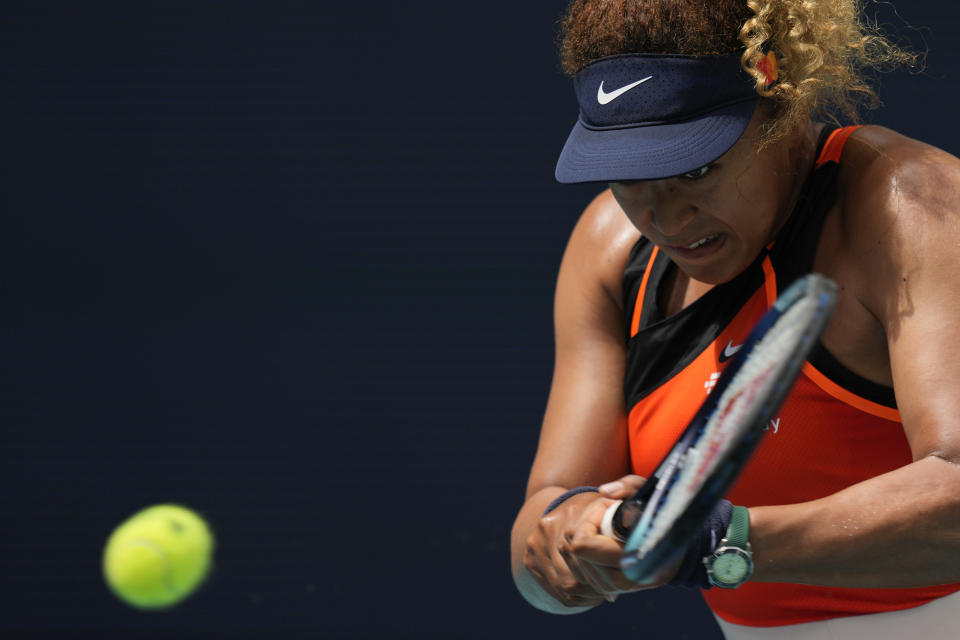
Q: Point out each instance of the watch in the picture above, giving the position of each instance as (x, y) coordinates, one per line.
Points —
(731, 564)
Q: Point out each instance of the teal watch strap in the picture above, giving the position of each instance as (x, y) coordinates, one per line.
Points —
(732, 563)
(738, 533)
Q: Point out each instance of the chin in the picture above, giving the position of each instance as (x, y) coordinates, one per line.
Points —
(710, 279)
(713, 274)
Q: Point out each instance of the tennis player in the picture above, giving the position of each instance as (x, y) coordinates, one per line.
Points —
(711, 125)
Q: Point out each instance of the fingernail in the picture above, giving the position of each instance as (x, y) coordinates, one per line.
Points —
(611, 487)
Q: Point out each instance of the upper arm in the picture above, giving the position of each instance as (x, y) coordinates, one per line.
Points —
(583, 439)
(910, 230)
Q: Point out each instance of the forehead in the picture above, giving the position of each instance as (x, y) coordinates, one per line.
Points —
(748, 144)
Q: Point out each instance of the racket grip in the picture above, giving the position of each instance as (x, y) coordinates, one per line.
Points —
(606, 526)
(619, 518)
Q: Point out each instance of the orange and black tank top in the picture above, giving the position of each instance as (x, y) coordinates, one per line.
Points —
(834, 430)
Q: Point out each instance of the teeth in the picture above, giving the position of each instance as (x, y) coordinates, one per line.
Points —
(701, 242)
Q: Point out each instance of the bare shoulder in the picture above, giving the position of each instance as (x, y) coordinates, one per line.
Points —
(900, 201)
(600, 244)
(893, 182)
(900, 216)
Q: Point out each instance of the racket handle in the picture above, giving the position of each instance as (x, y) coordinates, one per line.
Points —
(606, 526)
(620, 518)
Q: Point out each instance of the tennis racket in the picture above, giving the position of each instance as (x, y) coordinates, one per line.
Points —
(660, 520)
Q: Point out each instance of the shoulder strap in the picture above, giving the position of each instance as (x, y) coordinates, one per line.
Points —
(642, 293)
(833, 148)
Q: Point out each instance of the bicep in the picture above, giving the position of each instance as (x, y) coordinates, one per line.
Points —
(924, 345)
(919, 308)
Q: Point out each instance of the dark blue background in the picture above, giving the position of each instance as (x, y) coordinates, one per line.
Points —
(291, 264)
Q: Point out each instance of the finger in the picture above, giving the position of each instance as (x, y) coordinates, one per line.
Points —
(589, 545)
(565, 548)
(608, 580)
(574, 576)
(570, 562)
(557, 573)
(603, 580)
(583, 574)
(601, 555)
(542, 572)
(617, 581)
(612, 580)
(622, 488)
(600, 520)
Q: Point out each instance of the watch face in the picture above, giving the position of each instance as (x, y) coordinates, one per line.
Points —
(730, 567)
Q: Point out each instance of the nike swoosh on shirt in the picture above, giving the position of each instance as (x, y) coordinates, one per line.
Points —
(729, 351)
(605, 98)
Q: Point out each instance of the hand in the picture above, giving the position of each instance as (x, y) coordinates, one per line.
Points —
(569, 557)
(620, 490)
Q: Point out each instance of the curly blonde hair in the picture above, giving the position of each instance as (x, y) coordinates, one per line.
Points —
(825, 49)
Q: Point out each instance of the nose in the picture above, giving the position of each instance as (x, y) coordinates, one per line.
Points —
(657, 204)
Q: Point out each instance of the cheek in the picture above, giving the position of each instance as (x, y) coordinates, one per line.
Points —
(750, 205)
(631, 207)
(638, 221)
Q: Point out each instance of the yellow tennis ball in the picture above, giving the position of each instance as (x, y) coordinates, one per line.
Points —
(158, 557)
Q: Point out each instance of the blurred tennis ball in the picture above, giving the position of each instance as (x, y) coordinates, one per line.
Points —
(158, 557)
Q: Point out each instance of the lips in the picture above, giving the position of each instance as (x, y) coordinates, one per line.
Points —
(701, 242)
(699, 248)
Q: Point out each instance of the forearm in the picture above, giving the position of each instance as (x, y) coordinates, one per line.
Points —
(901, 529)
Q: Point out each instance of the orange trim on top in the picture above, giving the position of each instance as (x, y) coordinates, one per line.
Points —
(638, 305)
(849, 397)
(769, 281)
(833, 148)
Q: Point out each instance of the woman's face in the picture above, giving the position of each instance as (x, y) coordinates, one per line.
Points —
(713, 222)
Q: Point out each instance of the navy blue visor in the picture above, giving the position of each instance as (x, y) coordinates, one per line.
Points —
(647, 117)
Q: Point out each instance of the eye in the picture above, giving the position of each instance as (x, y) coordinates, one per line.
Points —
(697, 173)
